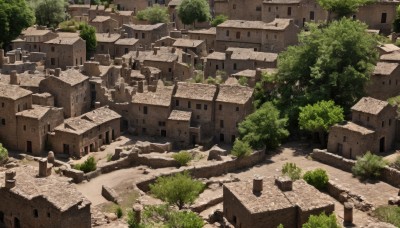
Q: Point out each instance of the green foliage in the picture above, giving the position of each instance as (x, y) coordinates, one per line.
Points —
(88, 33)
(179, 189)
(243, 81)
(50, 12)
(214, 81)
(291, 170)
(241, 149)
(331, 62)
(280, 226)
(109, 157)
(368, 166)
(15, 16)
(396, 22)
(264, 127)
(132, 223)
(317, 178)
(191, 11)
(261, 95)
(198, 77)
(87, 166)
(185, 219)
(3, 154)
(70, 26)
(155, 14)
(343, 8)
(119, 212)
(183, 157)
(218, 20)
(389, 214)
(321, 221)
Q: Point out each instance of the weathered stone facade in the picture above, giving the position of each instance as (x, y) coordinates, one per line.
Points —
(62, 52)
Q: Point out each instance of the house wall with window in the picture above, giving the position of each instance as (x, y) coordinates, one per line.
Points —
(239, 9)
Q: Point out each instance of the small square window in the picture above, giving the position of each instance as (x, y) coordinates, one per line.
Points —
(205, 107)
(237, 109)
(176, 102)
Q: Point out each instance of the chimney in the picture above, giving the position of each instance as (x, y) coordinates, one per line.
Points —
(57, 72)
(228, 54)
(140, 87)
(173, 49)
(109, 34)
(258, 74)
(44, 168)
(97, 104)
(137, 53)
(10, 179)
(394, 37)
(155, 50)
(284, 183)
(14, 78)
(257, 184)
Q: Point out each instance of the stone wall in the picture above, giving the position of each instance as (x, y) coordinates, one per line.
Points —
(391, 176)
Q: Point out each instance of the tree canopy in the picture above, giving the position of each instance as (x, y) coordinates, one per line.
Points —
(50, 12)
(343, 8)
(191, 11)
(155, 14)
(331, 62)
(264, 127)
(88, 33)
(321, 221)
(218, 20)
(15, 16)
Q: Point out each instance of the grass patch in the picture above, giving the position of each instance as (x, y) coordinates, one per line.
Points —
(389, 214)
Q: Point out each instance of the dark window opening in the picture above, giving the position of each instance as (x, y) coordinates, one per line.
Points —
(289, 11)
(145, 110)
(35, 213)
(384, 18)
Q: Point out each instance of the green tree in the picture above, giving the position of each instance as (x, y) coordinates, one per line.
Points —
(88, 33)
(264, 127)
(191, 11)
(321, 221)
(343, 8)
(50, 12)
(155, 14)
(368, 166)
(179, 189)
(318, 118)
(183, 157)
(241, 148)
(87, 166)
(218, 20)
(291, 170)
(331, 62)
(317, 178)
(3, 154)
(15, 16)
(185, 219)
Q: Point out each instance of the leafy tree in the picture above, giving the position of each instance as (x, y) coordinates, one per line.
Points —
(396, 22)
(264, 127)
(343, 8)
(318, 118)
(291, 170)
(332, 62)
(50, 12)
(241, 148)
(321, 221)
(87, 166)
(155, 14)
(263, 90)
(3, 154)
(88, 33)
(368, 166)
(317, 178)
(179, 189)
(183, 157)
(185, 219)
(15, 16)
(191, 11)
(218, 20)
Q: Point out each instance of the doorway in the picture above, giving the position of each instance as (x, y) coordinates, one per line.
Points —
(28, 146)
(339, 149)
(66, 149)
(382, 145)
(16, 223)
(163, 133)
(107, 137)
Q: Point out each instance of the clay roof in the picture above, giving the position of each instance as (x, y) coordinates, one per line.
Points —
(25, 79)
(370, 105)
(32, 31)
(250, 54)
(210, 31)
(162, 97)
(187, 43)
(54, 189)
(174, 3)
(71, 77)
(388, 47)
(245, 73)
(355, 128)
(163, 55)
(99, 19)
(126, 13)
(107, 37)
(86, 6)
(68, 34)
(383, 68)
(36, 112)
(394, 56)
(64, 40)
(180, 115)
(127, 41)
(234, 94)
(195, 91)
(282, 1)
(277, 24)
(144, 27)
(13, 92)
(217, 56)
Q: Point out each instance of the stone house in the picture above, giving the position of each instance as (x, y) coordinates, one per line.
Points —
(13, 99)
(239, 10)
(197, 47)
(65, 51)
(31, 200)
(106, 43)
(232, 105)
(26, 80)
(104, 24)
(123, 17)
(33, 125)
(125, 45)
(372, 128)
(77, 10)
(208, 35)
(384, 82)
(97, 10)
(274, 36)
(165, 41)
(173, 13)
(78, 136)
(178, 128)
(70, 89)
(34, 37)
(146, 34)
(136, 5)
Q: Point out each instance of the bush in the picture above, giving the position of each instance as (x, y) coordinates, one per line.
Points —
(321, 221)
(243, 81)
(390, 214)
(155, 14)
(109, 157)
(164, 216)
(132, 223)
(291, 170)
(368, 166)
(183, 157)
(119, 212)
(87, 166)
(241, 149)
(3, 154)
(396, 163)
(185, 219)
(218, 20)
(317, 178)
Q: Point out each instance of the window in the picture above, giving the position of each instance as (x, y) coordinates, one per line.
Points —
(170, 70)
(237, 109)
(269, 9)
(102, 47)
(35, 213)
(3, 121)
(289, 11)
(136, 35)
(248, 34)
(234, 6)
(198, 106)
(144, 130)
(126, 50)
(234, 66)
(258, 8)
(368, 119)
(143, 35)
(383, 123)
(176, 102)
(220, 107)
(34, 46)
(312, 16)
(383, 17)
(344, 138)
(227, 32)
(53, 49)
(390, 122)
(2, 104)
(161, 124)
(24, 127)
(189, 104)
(145, 110)
(198, 117)
(216, 67)
(221, 124)
(205, 107)
(237, 35)
(53, 61)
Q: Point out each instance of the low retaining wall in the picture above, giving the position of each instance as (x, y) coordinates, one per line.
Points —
(388, 175)
(343, 195)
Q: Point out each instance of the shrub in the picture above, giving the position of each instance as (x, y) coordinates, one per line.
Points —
(291, 170)
(317, 178)
(321, 221)
(243, 81)
(132, 223)
(3, 154)
(396, 163)
(218, 20)
(368, 166)
(119, 212)
(87, 166)
(109, 157)
(390, 214)
(183, 157)
(185, 219)
(241, 149)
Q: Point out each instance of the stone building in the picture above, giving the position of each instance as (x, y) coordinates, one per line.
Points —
(239, 10)
(136, 5)
(77, 10)
(269, 202)
(274, 36)
(232, 105)
(31, 200)
(65, 51)
(208, 35)
(104, 24)
(34, 37)
(27, 80)
(106, 43)
(78, 136)
(125, 45)
(70, 89)
(198, 47)
(146, 34)
(178, 128)
(373, 128)
(385, 81)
